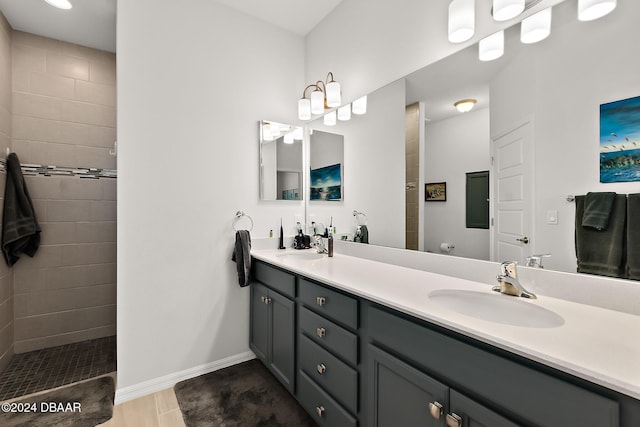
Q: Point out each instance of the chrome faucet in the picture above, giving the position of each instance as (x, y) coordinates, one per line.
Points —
(536, 260)
(508, 282)
(319, 244)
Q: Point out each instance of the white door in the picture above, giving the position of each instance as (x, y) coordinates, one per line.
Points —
(512, 222)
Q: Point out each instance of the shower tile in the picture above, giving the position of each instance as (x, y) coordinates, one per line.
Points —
(68, 66)
(54, 233)
(29, 280)
(103, 72)
(96, 93)
(109, 189)
(51, 85)
(104, 210)
(56, 366)
(67, 210)
(96, 232)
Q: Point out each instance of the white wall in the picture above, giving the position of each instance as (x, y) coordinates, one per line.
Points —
(367, 44)
(194, 78)
(374, 169)
(454, 147)
(583, 65)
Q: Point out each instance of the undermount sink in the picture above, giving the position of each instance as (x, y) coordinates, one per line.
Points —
(308, 256)
(497, 308)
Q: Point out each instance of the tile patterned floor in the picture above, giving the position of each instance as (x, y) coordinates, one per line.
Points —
(56, 366)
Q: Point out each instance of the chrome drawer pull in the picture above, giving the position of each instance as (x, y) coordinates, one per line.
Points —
(267, 300)
(436, 410)
(321, 332)
(321, 301)
(320, 410)
(321, 368)
(454, 420)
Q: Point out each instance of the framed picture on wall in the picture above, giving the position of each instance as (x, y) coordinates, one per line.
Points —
(620, 141)
(326, 183)
(435, 192)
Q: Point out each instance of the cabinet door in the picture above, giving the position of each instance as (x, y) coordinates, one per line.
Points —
(468, 413)
(282, 318)
(400, 394)
(259, 330)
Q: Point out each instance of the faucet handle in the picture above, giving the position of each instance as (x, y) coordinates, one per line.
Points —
(509, 269)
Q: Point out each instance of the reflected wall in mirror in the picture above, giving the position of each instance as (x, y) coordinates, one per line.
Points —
(556, 85)
(280, 161)
(326, 166)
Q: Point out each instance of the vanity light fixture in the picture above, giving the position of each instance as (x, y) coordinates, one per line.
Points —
(461, 20)
(344, 113)
(325, 94)
(359, 106)
(503, 10)
(491, 47)
(288, 138)
(588, 10)
(297, 133)
(330, 118)
(536, 27)
(60, 4)
(465, 105)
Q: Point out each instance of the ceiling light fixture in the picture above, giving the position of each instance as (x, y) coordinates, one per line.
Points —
(491, 47)
(588, 10)
(60, 4)
(461, 20)
(325, 95)
(503, 10)
(465, 105)
(359, 106)
(536, 27)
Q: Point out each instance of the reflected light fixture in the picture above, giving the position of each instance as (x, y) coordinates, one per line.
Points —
(60, 4)
(461, 20)
(588, 10)
(330, 118)
(297, 133)
(344, 113)
(465, 105)
(325, 94)
(536, 27)
(359, 106)
(288, 138)
(503, 10)
(491, 47)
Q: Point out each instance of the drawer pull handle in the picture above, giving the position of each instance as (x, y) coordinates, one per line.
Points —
(436, 410)
(320, 410)
(264, 299)
(321, 301)
(321, 368)
(267, 300)
(321, 332)
(454, 420)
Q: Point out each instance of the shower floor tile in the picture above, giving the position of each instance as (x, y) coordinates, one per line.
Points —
(56, 366)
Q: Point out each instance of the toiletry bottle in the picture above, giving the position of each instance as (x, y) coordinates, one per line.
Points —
(330, 244)
(358, 236)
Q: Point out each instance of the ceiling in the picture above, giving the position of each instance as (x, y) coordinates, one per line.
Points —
(93, 22)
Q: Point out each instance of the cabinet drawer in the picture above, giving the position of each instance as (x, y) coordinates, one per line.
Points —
(326, 333)
(332, 304)
(335, 376)
(279, 280)
(549, 401)
(325, 410)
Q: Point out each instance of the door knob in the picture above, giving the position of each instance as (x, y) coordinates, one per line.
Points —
(321, 368)
(435, 409)
(523, 239)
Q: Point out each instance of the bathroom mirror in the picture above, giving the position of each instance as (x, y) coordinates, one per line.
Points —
(557, 85)
(280, 161)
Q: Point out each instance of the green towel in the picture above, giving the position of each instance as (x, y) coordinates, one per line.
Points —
(597, 210)
(633, 236)
(602, 252)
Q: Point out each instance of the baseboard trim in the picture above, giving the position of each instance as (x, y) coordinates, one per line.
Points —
(148, 387)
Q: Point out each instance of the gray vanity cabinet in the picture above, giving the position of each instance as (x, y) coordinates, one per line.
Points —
(272, 331)
(328, 354)
(402, 395)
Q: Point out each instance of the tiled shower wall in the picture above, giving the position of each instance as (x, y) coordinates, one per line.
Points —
(6, 275)
(64, 114)
(412, 145)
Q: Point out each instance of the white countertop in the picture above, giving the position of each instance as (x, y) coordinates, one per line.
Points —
(596, 344)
